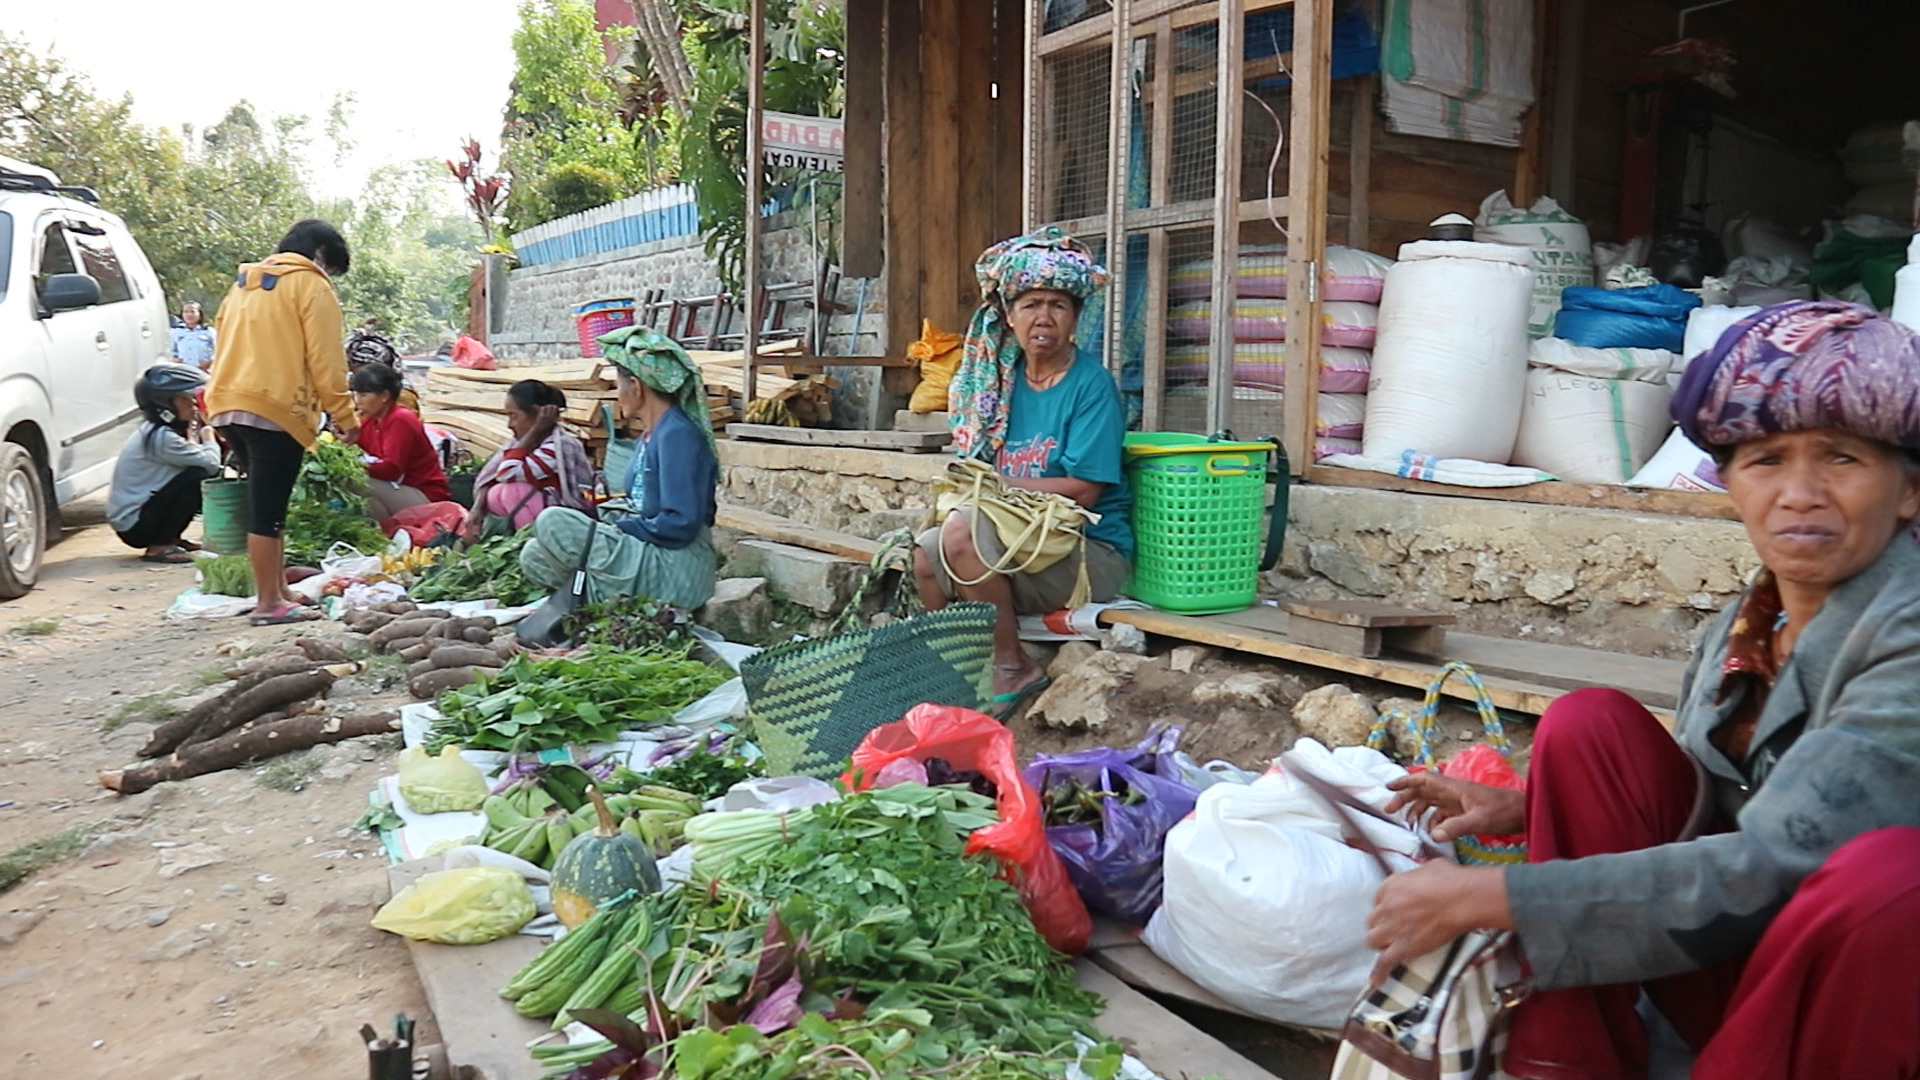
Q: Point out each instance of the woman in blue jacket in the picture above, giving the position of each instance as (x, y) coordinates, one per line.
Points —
(662, 548)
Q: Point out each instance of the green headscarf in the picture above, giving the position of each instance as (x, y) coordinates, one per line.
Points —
(660, 362)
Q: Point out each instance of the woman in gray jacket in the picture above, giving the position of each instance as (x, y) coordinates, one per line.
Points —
(1757, 872)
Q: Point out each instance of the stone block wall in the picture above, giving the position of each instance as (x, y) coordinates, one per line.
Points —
(1606, 579)
(538, 321)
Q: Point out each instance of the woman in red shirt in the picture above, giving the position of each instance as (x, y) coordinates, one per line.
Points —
(404, 468)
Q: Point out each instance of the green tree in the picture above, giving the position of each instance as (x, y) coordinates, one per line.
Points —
(411, 242)
(568, 107)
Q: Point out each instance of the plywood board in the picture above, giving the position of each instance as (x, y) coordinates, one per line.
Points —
(774, 527)
(909, 441)
(1554, 493)
(479, 1028)
(1163, 1041)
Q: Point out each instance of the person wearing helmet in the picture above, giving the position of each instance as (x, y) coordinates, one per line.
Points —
(156, 484)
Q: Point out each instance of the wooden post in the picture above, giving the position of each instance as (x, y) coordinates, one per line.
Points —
(1159, 189)
(1226, 207)
(906, 240)
(1360, 167)
(1037, 101)
(756, 127)
(1119, 150)
(1307, 222)
(860, 202)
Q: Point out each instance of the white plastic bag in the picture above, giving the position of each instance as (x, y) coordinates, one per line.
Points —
(1588, 430)
(346, 561)
(1705, 324)
(1264, 904)
(1680, 465)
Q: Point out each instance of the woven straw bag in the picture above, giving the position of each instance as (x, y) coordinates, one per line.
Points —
(1473, 850)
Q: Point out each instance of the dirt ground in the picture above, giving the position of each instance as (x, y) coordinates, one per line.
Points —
(111, 964)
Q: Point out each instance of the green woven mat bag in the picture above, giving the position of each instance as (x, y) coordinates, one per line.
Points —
(811, 702)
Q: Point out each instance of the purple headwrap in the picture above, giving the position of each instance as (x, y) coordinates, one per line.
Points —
(1804, 365)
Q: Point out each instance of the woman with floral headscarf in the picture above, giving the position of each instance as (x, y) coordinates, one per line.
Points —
(1049, 420)
(662, 547)
(1757, 871)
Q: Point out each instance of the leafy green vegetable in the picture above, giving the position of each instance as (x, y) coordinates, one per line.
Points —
(886, 1044)
(701, 773)
(629, 622)
(488, 568)
(228, 575)
(588, 696)
(329, 506)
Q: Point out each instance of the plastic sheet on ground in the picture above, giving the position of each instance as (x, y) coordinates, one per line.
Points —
(1458, 471)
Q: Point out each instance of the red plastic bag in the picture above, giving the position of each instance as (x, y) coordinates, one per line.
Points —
(970, 741)
(1482, 764)
(469, 353)
(426, 522)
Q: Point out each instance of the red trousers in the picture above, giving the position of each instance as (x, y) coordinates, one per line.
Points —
(1832, 989)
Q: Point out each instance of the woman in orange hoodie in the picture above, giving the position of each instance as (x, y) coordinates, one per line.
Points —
(279, 374)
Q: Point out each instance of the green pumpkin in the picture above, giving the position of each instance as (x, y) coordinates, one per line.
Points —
(597, 866)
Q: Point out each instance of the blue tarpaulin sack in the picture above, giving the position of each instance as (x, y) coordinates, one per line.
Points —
(1649, 317)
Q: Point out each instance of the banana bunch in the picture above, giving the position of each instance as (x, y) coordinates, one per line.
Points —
(526, 823)
(414, 561)
(771, 411)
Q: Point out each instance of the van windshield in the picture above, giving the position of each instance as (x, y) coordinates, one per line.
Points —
(6, 250)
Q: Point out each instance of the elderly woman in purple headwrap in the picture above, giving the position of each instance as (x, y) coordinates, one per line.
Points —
(1757, 872)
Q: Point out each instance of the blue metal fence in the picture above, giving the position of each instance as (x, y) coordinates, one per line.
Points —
(660, 214)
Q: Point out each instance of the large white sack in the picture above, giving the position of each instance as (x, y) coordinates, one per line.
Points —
(1590, 431)
(1450, 355)
(1640, 365)
(1679, 465)
(1263, 902)
(1704, 327)
(1562, 250)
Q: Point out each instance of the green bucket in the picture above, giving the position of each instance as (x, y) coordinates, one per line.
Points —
(223, 515)
(1197, 510)
(460, 486)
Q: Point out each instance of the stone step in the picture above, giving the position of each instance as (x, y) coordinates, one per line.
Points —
(908, 420)
(819, 581)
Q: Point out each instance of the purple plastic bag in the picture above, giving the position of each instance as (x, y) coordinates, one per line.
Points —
(1116, 865)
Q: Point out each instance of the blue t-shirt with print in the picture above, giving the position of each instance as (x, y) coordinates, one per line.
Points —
(1074, 428)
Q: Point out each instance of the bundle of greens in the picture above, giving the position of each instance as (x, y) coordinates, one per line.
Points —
(490, 568)
(329, 506)
(852, 939)
(709, 766)
(228, 575)
(629, 622)
(588, 696)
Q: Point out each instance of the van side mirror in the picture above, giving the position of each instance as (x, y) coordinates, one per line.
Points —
(65, 292)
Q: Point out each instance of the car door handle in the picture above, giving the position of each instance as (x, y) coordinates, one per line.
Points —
(146, 329)
(100, 338)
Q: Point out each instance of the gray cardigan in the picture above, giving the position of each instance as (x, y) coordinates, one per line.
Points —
(1835, 753)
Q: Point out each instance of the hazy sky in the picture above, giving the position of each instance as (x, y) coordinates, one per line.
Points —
(426, 73)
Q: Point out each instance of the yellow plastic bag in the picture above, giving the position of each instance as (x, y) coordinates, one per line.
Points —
(435, 785)
(469, 906)
(939, 355)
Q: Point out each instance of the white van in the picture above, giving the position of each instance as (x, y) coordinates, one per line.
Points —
(81, 316)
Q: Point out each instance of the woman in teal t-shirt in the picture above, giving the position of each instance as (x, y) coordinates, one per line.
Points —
(1050, 421)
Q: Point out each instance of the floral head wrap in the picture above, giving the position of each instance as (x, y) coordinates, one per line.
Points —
(1804, 365)
(982, 387)
(660, 362)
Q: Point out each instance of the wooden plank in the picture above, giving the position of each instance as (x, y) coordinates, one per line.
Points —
(904, 236)
(910, 441)
(972, 46)
(480, 1029)
(862, 232)
(1230, 56)
(1699, 504)
(1350, 640)
(1312, 103)
(1163, 1041)
(842, 461)
(1119, 160)
(774, 527)
(1366, 613)
(1009, 116)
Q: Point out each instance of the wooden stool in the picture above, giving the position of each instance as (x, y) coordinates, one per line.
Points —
(1366, 627)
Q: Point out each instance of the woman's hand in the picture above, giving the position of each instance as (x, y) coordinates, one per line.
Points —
(545, 419)
(1460, 807)
(476, 519)
(1420, 910)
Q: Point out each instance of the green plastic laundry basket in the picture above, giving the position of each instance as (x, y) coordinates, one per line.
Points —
(223, 515)
(1197, 505)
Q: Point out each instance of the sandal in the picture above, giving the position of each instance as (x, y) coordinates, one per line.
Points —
(292, 613)
(174, 555)
(185, 544)
(1004, 706)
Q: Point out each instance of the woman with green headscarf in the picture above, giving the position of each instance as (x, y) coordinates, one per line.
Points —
(1049, 420)
(662, 547)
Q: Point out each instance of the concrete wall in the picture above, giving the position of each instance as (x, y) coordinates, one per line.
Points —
(1607, 579)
